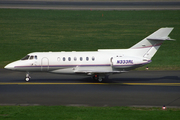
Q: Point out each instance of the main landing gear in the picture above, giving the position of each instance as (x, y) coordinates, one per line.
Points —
(27, 78)
(99, 77)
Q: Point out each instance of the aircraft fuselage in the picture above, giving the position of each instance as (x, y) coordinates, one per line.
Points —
(78, 62)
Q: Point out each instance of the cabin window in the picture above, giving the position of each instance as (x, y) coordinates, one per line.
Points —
(58, 59)
(35, 57)
(25, 58)
(75, 58)
(81, 58)
(64, 59)
(69, 58)
(93, 58)
(87, 58)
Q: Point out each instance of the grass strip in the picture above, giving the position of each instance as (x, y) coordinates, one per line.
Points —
(87, 113)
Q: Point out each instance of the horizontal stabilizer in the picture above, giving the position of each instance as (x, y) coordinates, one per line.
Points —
(167, 38)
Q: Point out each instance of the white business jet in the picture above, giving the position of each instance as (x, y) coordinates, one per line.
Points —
(97, 64)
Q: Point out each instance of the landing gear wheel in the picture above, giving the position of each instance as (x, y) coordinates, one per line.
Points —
(100, 79)
(27, 77)
(97, 78)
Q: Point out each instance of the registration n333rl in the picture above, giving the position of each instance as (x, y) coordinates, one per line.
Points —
(98, 64)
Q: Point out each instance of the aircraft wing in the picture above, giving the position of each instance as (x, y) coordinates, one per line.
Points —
(90, 72)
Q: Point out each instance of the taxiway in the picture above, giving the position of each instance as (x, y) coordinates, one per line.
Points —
(135, 88)
(62, 5)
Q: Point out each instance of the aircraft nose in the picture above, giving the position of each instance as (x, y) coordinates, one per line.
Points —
(9, 66)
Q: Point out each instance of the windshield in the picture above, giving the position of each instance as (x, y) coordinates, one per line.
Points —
(31, 57)
(25, 58)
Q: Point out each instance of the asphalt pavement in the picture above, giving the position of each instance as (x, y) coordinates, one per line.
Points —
(135, 88)
(90, 5)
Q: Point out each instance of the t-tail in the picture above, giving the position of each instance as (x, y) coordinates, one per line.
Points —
(149, 45)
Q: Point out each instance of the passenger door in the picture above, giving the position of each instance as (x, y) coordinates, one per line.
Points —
(44, 64)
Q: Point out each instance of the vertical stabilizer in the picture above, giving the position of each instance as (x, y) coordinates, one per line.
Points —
(149, 45)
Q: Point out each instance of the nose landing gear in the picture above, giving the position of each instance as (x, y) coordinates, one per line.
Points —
(27, 78)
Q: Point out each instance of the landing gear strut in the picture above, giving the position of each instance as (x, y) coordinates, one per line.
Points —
(27, 78)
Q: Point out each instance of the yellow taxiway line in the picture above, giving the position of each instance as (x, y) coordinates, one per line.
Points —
(160, 84)
(48, 83)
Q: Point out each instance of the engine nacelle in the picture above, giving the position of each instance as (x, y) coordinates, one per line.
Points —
(128, 62)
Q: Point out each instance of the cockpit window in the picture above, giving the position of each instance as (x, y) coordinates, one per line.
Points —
(31, 57)
(25, 58)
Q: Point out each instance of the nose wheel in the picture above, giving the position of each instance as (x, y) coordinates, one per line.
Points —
(27, 78)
